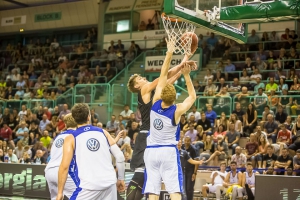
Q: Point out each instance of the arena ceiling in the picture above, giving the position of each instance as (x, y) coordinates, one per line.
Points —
(15, 4)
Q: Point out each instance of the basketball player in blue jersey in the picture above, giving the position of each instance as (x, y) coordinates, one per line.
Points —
(161, 155)
(145, 91)
(90, 148)
(51, 170)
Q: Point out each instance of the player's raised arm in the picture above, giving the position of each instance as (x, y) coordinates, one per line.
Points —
(164, 71)
(68, 151)
(189, 101)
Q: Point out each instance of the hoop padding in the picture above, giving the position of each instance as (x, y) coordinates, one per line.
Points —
(175, 29)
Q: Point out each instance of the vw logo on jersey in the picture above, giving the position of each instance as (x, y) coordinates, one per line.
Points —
(160, 111)
(158, 124)
(59, 143)
(87, 128)
(93, 144)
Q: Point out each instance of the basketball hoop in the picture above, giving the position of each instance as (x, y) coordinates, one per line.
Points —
(180, 33)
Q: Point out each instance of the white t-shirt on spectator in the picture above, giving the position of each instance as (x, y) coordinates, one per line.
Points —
(123, 141)
(62, 58)
(196, 114)
(254, 76)
(126, 114)
(22, 114)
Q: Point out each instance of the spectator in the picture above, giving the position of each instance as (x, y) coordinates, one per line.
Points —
(223, 101)
(195, 113)
(112, 125)
(210, 86)
(133, 131)
(20, 132)
(252, 150)
(271, 128)
(271, 85)
(25, 159)
(191, 133)
(109, 72)
(232, 138)
(126, 113)
(205, 123)
(243, 101)
(253, 41)
(280, 115)
(212, 41)
(283, 163)
(183, 122)
(46, 139)
(223, 121)
(131, 119)
(211, 115)
(260, 100)
(250, 120)
(296, 162)
(39, 159)
(228, 69)
(43, 123)
(12, 158)
(238, 126)
(266, 112)
(208, 149)
(5, 132)
(239, 158)
(239, 112)
(124, 139)
(64, 112)
(235, 86)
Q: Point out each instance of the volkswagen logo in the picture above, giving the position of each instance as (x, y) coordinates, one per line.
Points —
(93, 144)
(87, 128)
(158, 124)
(160, 111)
(59, 143)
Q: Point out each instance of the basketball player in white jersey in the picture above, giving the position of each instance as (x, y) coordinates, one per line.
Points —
(161, 156)
(145, 91)
(216, 185)
(233, 178)
(248, 180)
(51, 170)
(90, 149)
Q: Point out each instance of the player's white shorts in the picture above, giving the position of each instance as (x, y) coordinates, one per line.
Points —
(52, 180)
(83, 194)
(162, 163)
(213, 188)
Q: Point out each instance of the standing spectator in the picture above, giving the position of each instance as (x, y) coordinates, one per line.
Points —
(252, 150)
(195, 113)
(271, 128)
(239, 158)
(43, 123)
(283, 163)
(232, 138)
(253, 41)
(126, 113)
(211, 115)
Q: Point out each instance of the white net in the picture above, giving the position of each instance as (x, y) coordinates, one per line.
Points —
(180, 33)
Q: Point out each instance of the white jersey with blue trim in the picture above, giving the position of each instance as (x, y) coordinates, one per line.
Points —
(163, 128)
(57, 149)
(250, 180)
(93, 169)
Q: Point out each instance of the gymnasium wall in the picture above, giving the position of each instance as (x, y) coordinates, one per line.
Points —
(75, 14)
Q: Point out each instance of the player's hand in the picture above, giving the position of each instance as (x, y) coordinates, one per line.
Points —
(59, 197)
(186, 69)
(193, 177)
(200, 162)
(193, 64)
(170, 44)
(121, 185)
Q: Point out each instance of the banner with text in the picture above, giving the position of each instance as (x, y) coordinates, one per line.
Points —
(10, 21)
(154, 63)
(44, 17)
(148, 4)
(120, 6)
(155, 34)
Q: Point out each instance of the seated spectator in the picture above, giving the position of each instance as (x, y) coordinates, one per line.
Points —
(229, 68)
(39, 158)
(126, 113)
(210, 86)
(109, 72)
(15, 76)
(45, 139)
(54, 44)
(64, 112)
(249, 66)
(271, 85)
(260, 100)
(25, 140)
(192, 133)
(296, 162)
(195, 113)
(232, 138)
(223, 121)
(19, 150)
(20, 132)
(252, 41)
(250, 120)
(25, 159)
(123, 138)
(205, 123)
(183, 122)
(44, 122)
(266, 112)
(283, 163)
(252, 150)
(133, 130)
(280, 116)
(235, 86)
(211, 115)
(239, 158)
(271, 128)
(131, 119)
(244, 79)
(238, 126)
(273, 100)
(5, 132)
(223, 101)
(243, 99)
(260, 65)
(258, 84)
(208, 76)
(239, 112)
(200, 137)
(208, 149)
(221, 151)
(112, 125)
(221, 84)
(150, 25)
(12, 158)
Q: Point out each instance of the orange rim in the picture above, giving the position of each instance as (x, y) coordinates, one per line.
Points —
(163, 15)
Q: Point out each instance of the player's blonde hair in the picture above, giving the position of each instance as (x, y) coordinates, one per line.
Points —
(168, 94)
(69, 121)
(131, 83)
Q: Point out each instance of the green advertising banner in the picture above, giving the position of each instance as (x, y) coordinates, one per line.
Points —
(44, 17)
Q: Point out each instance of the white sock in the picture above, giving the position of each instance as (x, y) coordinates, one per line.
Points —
(204, 198)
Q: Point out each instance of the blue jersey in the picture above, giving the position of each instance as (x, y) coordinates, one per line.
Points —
(93, 169)
(163, 128)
